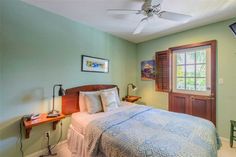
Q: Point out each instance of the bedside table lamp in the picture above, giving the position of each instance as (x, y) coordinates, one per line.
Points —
(132, 86)
(61, 92)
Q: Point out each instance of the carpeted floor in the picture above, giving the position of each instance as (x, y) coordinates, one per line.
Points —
(225, 150)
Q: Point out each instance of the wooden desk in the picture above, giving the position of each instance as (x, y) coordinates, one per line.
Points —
(41, 120)
(131, 98)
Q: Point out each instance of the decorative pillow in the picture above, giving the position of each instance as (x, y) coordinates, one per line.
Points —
(82, 103)
(109, 100)
(116, 94)
(93, 103)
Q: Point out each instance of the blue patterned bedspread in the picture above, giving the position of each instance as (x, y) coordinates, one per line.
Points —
(142, 131)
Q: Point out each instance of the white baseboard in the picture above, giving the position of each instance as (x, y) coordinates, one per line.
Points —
(226, 140)
(44, 151)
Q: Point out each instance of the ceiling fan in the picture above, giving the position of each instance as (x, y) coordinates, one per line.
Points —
(151, 9)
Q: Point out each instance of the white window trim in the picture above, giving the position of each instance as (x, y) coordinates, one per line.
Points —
(208, 72)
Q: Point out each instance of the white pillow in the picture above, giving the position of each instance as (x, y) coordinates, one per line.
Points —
(82, 103)
(93, 103)
(109, 100)
(116, 94)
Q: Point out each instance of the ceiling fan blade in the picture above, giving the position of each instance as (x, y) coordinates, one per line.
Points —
(174, 16)
(123, 11)
(156, 2)
(153, 2)
(141, 26)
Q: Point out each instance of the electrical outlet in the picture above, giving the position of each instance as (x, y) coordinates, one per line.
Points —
(221, 81)
(47, 134)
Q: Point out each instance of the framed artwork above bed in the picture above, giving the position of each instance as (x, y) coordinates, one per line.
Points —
(94, 64)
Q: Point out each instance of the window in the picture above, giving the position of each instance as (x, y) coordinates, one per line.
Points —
(191, 70)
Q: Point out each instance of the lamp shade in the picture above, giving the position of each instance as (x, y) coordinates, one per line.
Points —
(61, 91)
(233, 28)
(134, 87)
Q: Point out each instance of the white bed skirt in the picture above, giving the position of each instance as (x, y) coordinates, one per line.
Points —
(76, 143)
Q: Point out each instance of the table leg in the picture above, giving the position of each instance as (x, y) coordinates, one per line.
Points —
(27, 132)
(231, 135)
(54, 125)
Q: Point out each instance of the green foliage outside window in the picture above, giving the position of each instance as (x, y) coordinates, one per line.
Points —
(191, 70)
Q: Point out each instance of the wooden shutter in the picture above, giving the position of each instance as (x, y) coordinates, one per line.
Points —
(163, 71)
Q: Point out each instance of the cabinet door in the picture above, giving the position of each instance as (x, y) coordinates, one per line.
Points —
(179, 103)
(201, 106)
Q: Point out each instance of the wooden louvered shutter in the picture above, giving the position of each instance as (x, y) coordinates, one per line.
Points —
(163, 71)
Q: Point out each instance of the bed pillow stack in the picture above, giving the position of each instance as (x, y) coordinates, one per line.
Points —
(82, 103)
(98, 101)
(93, 103)
(110, 99)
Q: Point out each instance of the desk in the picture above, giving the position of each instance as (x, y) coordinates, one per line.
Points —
(131, 99)
(41, 120)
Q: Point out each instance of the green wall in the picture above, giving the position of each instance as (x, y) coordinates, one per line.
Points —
(41, 49)
(1, 51)
(226, 61)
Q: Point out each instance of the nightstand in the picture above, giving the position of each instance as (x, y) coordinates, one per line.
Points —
(41, 120)
(131, 99)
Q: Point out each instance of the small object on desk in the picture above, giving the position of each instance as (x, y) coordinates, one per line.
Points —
(51, 115)
(232, 131)
(42, 119)
(131, 98)
(35, 116)
(31, 116)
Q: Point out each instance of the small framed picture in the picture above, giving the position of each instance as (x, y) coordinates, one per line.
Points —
(94, 64)
(148, 70)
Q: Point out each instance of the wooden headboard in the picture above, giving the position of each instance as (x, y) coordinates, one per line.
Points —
(70, 101)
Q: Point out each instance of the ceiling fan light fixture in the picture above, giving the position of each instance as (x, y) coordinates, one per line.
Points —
(151, 9)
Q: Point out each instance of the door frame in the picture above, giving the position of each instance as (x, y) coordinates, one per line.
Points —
(212, 44)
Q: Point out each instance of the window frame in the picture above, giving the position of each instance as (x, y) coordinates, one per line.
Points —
(208, 71)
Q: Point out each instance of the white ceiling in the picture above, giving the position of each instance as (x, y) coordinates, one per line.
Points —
(93, 13)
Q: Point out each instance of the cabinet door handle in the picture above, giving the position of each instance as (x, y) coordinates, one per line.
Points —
(211, 98)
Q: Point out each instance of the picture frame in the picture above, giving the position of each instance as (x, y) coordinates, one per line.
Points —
(148, 70)
(94, 64)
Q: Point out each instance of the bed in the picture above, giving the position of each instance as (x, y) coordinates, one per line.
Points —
(136, 131)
